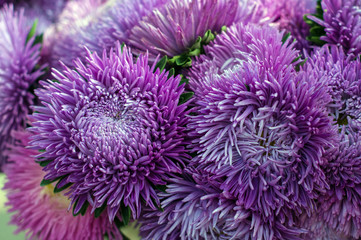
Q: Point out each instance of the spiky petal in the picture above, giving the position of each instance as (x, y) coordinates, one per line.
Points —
(40, 212)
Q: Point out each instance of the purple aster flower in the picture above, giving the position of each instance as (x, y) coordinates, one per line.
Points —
(288, 15)
(340, 206)
(242, 43)
(192, 210)
(175, 27)
(45, 11)
(194, 207)
(342, 24)
(100, 24)
(265, 134)
(40, 211)
(340, 76)
(18, 73)
(113, 130)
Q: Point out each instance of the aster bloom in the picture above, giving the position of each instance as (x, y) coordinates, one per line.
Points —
(340, 205)
(340, 76)
(265, 134)
(342, 24)
(98, 26)
(191, 210)
(18, 72)
(242, 43)
(288, 15)
(41, 212)
(113, 130)
(175, 27)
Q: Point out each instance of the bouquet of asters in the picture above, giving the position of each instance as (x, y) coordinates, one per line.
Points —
(186, 119)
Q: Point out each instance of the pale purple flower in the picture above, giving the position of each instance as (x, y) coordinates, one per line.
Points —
(41, 212)
(342, 23)
(174, 27)
(18, 73)
(113, 129)
(100, 24)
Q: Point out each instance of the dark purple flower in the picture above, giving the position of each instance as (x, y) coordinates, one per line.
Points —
(340, 206)
(18, 72)
(39, 211)
(174, 27)
(265, 134)
(113, 129)
(339, 75)
(100, 24)
(342, 23)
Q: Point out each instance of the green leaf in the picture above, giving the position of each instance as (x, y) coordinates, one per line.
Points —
(285, 37)
(38, 39)
(126, 213)
(57, 189)
(316, 31)
(185, 97)
(161, 64)
(44, 163)
(161, 188)
(32, 30)
(183, 80)
(118, 223)
(99, 210)
(171, 73)
(45, 182)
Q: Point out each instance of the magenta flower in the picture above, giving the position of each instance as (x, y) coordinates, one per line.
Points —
(174, 27)
(98, 26)
(342, 24)
(18, 73)
(113, 129)
(288, 15)
(41, 212)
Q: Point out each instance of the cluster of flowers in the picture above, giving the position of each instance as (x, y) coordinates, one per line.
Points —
(196, 119)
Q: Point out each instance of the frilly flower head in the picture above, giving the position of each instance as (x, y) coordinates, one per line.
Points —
(339, 75)
(18, 59)
(242, 43)
(99, 26)
(41, 212)
(342, 24)
(265, 132)
(174, 27)
(288, 15)
(340, 206)
(112, 129)
(192, 209)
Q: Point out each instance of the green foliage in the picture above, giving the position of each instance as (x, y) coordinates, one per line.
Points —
(316, 30)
